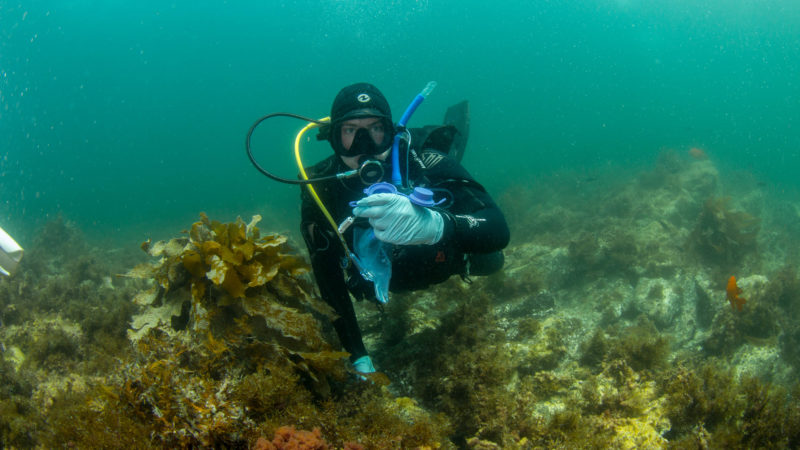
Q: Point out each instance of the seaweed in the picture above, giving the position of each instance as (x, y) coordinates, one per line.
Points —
(783, 293)
(704, 396)
(223, 301)
(744, 414)
(465, 375)
(585, 256)
(641, 346)
(759, 324)
(505, 287)
(726, 335)
(57, 243)
(622, 254)
(614, 408)
(54, 348)
(518, 203)
(374, 418)
(228, 346)
(62, 323)
(19, 418)
(226, 281)
(614, 254)
(722, 236)
(548, 351)
(62, 280)
(88, 420)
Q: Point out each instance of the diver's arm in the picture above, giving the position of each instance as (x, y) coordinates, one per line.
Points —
(473, 222)
(481, 229)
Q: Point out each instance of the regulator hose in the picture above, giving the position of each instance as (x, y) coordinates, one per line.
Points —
(265, 171)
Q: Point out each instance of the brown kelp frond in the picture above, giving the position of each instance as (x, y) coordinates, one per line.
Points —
(228, 284)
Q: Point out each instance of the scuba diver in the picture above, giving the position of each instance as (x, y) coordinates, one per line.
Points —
(392, 209)
(464, 234)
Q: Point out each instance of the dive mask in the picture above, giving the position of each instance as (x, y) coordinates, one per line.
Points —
(364, 144)
(364, 139)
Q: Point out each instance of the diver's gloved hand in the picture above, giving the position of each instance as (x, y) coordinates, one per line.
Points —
(398, 221)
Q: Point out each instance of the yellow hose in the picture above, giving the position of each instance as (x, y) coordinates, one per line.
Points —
(311, 187)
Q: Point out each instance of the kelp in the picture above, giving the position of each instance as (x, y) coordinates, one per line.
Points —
(223, 301)
(228, 344)
(226, 281)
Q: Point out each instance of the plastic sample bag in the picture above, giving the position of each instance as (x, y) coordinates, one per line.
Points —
(373, 261)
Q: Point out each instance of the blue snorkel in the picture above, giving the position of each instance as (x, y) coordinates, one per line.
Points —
(397, 178)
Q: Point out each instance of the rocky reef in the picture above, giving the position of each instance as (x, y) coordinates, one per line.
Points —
(226, 345)
(609, 327)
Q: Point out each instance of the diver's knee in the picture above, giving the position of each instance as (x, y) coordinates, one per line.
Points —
(482, 264)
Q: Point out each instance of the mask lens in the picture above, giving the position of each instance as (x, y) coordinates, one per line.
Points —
(366, 140)
(363, 144)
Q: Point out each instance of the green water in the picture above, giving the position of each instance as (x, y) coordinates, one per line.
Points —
(129, 118)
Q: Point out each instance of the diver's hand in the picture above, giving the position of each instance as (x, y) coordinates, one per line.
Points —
(398, 221)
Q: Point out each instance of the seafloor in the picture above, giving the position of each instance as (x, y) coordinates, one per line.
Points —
(609, 327)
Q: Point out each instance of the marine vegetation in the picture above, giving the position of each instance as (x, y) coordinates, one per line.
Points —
(228, 346)
(614, 253)
(224, 283)
(783, 293)
(708, 406)
(640, 345)
(631, 312)
(611, 326)
(759, 322)
(466, 376)
(723, 236)
(63, 321)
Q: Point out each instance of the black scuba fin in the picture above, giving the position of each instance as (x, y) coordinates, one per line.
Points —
(450, 138)
(458, 116)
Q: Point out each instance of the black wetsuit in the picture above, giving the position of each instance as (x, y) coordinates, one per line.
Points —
(475, 232)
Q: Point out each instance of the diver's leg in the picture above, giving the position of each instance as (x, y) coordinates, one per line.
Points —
(481, 264)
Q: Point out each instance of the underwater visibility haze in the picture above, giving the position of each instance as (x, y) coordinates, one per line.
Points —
(130, 117)
(645, 155)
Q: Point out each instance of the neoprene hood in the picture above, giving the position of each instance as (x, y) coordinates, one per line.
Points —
(356, 101)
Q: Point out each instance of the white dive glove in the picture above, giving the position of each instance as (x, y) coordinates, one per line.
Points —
(398, 221)
(10, 253)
